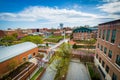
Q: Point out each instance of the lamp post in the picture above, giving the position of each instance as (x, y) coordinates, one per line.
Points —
(64, 34)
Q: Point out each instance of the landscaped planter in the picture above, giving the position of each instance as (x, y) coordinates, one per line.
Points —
(39, 77)
(94, 73)
(16, 71)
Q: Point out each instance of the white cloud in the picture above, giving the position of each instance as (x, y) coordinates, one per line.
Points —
(110, 0)
(113, 9)
(53, 15)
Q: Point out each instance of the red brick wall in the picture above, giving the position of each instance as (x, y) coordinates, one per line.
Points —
(2, 34)
(4, 66)
(110, 46)
(78, 36)
(10, 32)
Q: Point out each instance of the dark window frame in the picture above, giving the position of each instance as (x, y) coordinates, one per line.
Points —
(105, 50)
(114, 76)
(113, 37)
(107, 69)
(118, 60)
(103, 63)
(110, 54)
(108, 35)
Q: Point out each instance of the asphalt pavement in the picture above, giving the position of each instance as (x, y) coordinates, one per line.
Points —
(77, 71)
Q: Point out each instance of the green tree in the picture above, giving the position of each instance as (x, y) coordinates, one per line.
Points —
(15, 35)
(34, 39)
(90, 43)
(65, 54)
(74, 46)
(71, 36)
(7, 40)
(47, 44)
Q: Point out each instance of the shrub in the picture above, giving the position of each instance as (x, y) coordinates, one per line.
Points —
(93, 72)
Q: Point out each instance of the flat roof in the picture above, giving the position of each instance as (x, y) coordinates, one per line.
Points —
(115, 21)
(82, 29)
(14, 50)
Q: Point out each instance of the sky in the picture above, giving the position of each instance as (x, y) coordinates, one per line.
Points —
(50, 13)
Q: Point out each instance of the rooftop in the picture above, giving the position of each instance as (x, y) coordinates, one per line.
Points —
(82, 29)
(115, 21)
(14, 50)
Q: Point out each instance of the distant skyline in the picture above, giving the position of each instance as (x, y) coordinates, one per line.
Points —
(49, 13)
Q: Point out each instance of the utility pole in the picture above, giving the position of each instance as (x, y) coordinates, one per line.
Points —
(64, 34)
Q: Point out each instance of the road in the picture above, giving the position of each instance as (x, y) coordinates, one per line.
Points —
(77, 71)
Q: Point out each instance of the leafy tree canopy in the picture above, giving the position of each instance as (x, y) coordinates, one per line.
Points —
(34, 39)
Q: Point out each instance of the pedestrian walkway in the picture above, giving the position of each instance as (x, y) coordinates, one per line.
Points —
(50, 71)
(77, 71)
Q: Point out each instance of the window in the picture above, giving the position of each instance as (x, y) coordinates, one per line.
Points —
(96, 55)
(108, 34)
(118, 60)
(114, 76)
(110, 54)
(104, 32)
(107, 69)
(105, 50)
(98, 45)
(99, 59)
(29, 56)
(24, 59)
(113, 36)
(103, 63)
(99, 33)
(101, 48)
(33, 54)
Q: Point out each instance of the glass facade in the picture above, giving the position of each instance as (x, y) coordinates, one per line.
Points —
(108, 35)
(110, 54)
(118, 60)
(113, 36)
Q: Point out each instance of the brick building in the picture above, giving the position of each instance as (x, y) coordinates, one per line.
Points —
(19, 32)
(107, 57)
(2, 33)
(82, 33)
(16, 55)
(10, 32)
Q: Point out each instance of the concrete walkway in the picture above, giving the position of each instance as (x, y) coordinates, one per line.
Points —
(58, 44)
(77, 71)
(50, 71)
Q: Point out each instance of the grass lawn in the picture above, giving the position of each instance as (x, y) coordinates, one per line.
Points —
(37, 74)
(54, 39)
